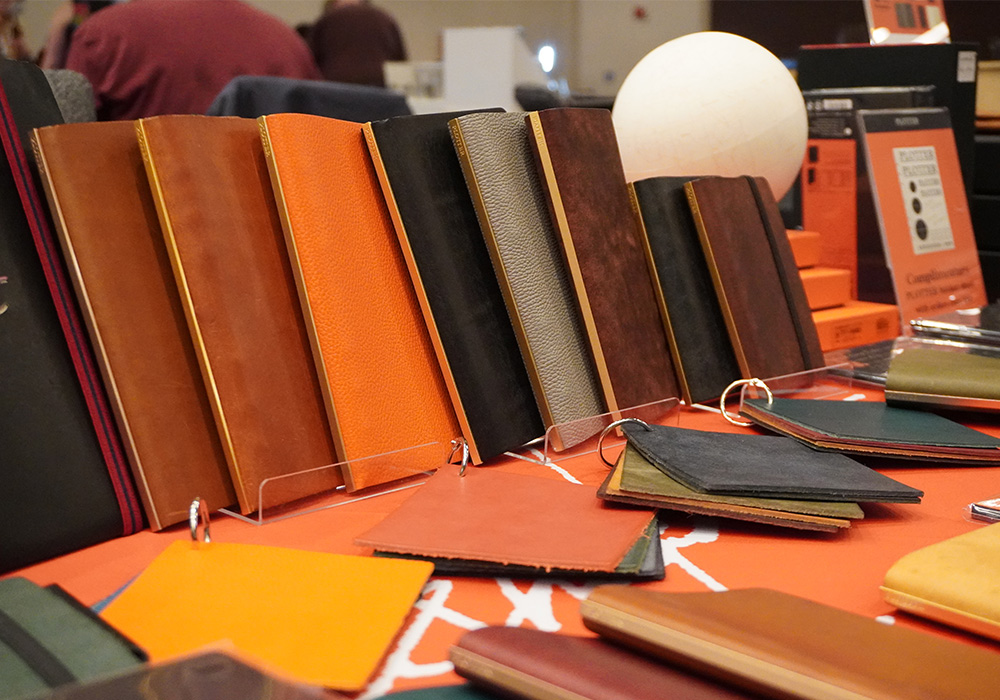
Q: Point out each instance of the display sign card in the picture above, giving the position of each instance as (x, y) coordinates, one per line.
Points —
(906, 21)
(922, 210)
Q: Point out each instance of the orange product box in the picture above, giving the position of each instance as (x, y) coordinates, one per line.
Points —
(805, 247)
(856, 323)
(826, 286)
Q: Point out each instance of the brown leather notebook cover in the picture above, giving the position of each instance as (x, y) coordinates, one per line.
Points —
(121, 273)
(580, 167)
(509, 518)
(382, 384)
(529, 663)
(756, 280)
(217, 213)
(784, 646)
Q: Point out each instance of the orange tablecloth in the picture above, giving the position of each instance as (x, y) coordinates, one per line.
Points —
(843, 570)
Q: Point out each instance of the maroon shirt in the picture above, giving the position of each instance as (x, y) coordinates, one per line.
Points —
(149, 57)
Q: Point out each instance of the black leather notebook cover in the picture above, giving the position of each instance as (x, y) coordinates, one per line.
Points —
(763, 466)
(458, 292)
(66, 483)
(872, 428)
(703, 355)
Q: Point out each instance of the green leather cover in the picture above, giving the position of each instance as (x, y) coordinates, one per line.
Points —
(762, 466)
(48, 639)
(871, 427)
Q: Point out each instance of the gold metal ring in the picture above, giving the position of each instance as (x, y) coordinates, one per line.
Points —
(604, 434)
(742, 383)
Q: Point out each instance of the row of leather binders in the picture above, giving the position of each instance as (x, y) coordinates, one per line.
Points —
(207, 304)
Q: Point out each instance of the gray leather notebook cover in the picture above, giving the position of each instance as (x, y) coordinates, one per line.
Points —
(510, 203)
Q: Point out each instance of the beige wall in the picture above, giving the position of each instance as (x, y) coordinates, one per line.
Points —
(598, 40)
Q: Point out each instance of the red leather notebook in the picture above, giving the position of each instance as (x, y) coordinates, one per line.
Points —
(120, 270)
(381, 381)
(580, 167)
(529, 663)
(213, 196)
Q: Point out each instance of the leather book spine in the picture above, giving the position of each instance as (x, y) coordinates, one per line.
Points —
(498, 167)
(580, 168)
(455, 283)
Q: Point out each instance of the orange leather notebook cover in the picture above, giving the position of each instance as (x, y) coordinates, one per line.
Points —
(826, 287)
(382, 384)
(106, 220)
(321, 618)
(805, 247)
(216, 208)
(856, 323)
(783, 646)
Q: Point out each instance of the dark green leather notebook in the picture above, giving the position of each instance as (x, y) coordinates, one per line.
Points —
(696, 330)
(763, 466)
(874, 429)
(49, 639)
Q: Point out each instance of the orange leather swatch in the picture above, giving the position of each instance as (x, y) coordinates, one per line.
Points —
(512, 519)
(321, 618)
(382, 383)
(106, 220)
(213, 196)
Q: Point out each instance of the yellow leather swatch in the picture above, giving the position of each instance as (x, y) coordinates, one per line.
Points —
(322, 618)
(382, 384)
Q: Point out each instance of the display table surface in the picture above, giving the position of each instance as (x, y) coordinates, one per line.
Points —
(843, 570)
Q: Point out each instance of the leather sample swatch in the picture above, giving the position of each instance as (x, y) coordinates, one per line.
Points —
(509, 518)
(696, 330)
(872, 428)
(784, 646)
(756, 280)
(451, 272)
(943, 379)
(953, 581)
(213, 196)
(381, 382)
(119, 267)
(643, 562)
(500, 172)
(49, 639)
(217, 675)
(577, 157)
(762, 466)
(529, 663)
(325, 619)
(66, 480)
(636, 481)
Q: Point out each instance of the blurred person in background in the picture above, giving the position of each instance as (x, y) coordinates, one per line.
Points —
(352, 39)
(151, 57)
(12, 44)
(64, 22)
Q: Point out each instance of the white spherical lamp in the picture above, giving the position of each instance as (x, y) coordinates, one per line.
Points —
(711, 103)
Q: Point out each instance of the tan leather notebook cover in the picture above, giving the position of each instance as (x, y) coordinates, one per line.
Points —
(784, 646)
(382, 383)
(954, 581)
(580, 168)
(216, 208)
(106, 221)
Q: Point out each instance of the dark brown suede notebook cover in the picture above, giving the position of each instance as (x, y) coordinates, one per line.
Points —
(217, 212)
(580, 167)
(119, 267)
(529, 663)
(756, 280)
(784, 646)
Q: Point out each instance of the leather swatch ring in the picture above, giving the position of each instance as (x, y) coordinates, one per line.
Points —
(604, 434)
(198, 512)
(742, 382)
(456, 445)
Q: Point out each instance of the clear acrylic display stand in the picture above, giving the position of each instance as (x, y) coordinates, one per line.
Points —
(273, 492)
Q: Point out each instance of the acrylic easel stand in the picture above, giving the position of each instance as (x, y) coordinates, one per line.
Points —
(273, 493)
(582, 436)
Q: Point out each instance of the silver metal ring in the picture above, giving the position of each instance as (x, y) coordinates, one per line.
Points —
(604, 434)
(198, 511)
(742, 382)
(456, 445)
